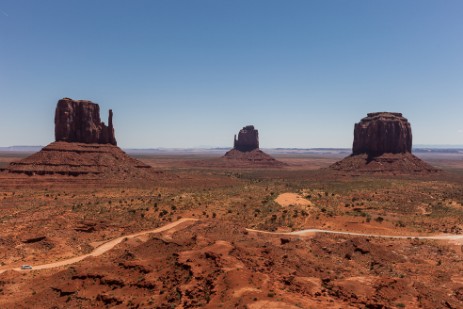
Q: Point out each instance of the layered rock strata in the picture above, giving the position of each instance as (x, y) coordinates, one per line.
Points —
(74, 159)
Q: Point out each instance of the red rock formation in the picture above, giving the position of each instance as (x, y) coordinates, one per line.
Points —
(79, 121)
(383, 144)
(380, 133)
(248, 139)
(84, 146)
(246, 152)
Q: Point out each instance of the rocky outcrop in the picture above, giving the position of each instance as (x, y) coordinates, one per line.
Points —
(248, 139)
(79, 121)
(383, 144)
(84, 146)
(380, 133)
(246, 152)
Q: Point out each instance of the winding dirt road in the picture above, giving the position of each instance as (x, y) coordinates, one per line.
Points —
(105, 247)
(307, 232)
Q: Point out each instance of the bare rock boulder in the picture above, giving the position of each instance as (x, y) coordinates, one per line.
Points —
(381, 133)
(248, 139)
(78, 121)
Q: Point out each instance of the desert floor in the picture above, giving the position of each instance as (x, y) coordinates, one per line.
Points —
(196, 236)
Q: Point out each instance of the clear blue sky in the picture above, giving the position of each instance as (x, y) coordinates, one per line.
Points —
(192, 73)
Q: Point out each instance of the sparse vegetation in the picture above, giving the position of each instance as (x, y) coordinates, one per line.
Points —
(82, 214)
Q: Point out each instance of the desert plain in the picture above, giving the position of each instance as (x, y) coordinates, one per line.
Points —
(200, 235)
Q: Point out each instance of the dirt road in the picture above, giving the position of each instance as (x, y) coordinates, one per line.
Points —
(307, 232)
(105, 247)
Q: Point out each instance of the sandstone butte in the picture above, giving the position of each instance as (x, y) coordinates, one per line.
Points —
(248, 139)
(380, 133)
(383, 143)
(246, 151)
(83, 146)
(78, 121)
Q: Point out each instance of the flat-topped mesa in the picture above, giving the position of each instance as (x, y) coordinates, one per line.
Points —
(383, 144)
(78, 121)
(248, 139)
(381, 133)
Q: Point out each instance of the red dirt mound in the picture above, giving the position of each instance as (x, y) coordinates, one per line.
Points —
(402, 163)
(239, 159)
(254, 157)
(75, 159)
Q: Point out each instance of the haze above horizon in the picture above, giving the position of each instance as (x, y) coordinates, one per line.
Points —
(181, 74)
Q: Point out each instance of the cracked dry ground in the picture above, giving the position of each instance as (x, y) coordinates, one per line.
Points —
(217, 264)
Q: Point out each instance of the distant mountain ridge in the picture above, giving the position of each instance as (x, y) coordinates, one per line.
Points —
(214, 150)
(21, 148)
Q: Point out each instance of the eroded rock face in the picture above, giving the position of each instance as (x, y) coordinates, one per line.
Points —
(79, 121)
(248, 139)
(382, 132)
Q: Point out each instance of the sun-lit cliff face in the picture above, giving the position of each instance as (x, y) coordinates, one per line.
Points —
(382, 132)
(79, 121)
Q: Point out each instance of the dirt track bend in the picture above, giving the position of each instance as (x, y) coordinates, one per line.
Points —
(105, 247)
(112, 243)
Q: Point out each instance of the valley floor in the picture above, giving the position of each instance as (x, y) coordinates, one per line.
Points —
(218, 260)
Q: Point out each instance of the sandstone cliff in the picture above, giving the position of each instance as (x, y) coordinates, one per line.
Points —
(248, 139)
(383, 132)
(78, 121)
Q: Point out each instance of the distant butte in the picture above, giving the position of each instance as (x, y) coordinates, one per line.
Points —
(383, 143)
(246, 151)
(84, 146)
(248, 139)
